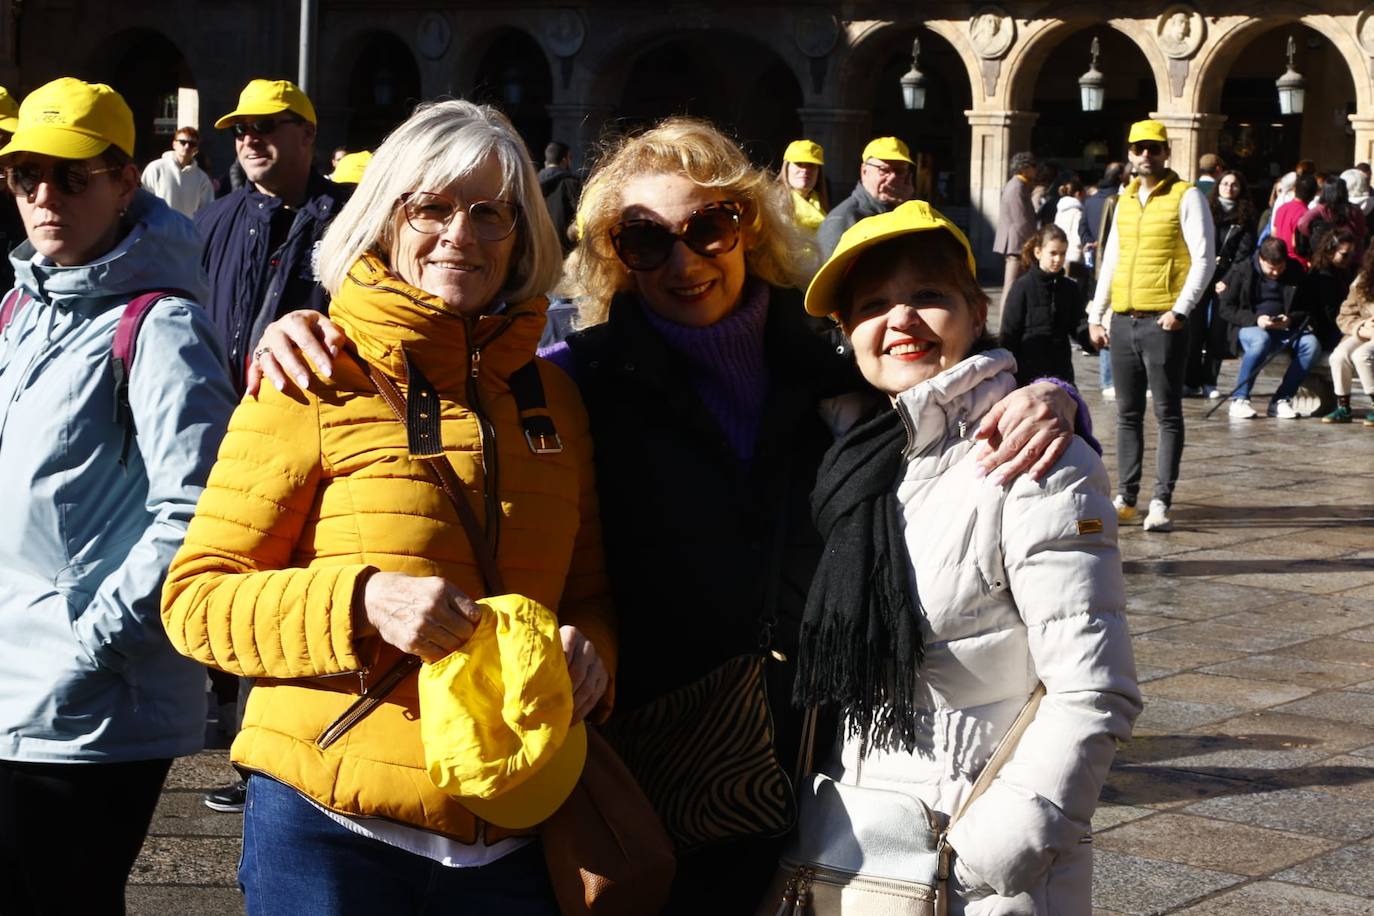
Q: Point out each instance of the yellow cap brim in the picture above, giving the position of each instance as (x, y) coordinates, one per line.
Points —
(10, 124)
(822, 294)
(253, 111)
(536, 798)
(62, 142)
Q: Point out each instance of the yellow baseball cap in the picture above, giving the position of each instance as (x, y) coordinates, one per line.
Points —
(912, 216)
(72, 119)
(9, 111)
(350, 168)
(268, 97)
(1144, 131)
(888, 149)
(808, 151)
(496, 717)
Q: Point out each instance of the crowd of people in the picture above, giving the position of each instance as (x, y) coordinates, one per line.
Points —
(444, 461)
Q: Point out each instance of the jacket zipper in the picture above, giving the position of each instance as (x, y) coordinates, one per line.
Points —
(485, 429)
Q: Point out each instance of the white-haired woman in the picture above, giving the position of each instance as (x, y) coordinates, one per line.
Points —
(322, 546)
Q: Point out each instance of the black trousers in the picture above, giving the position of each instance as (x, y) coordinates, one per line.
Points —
(1145, 356)
(69, 834)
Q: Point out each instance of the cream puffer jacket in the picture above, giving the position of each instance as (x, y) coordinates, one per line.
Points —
(1019, 584)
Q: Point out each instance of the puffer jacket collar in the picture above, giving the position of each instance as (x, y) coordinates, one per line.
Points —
(949, 406)
(385, 318)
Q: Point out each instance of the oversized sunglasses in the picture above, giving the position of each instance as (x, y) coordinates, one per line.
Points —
(643, 244)
(68, 177)
(262, 127)
(1149, 147)
(430, 213)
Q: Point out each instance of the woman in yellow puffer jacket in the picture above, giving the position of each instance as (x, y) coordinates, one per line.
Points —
(322, 551)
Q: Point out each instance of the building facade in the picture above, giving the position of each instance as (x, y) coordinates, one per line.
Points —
(1001, 77)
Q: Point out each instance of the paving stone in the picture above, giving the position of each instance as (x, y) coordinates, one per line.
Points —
(1333, 649)
(204, 861)
(1177, 715)
(156, 900)
(1147, 593)
(1212, 844)
(1300, 671)
(206, 770)
(1224, 691)
(1143, 887)
(1161, 650)
(1346, 776)
(1271, 897)
(1345, 870)
(1319, 615)
(1240, 639)
(1290, 731)
(1338, 705)
(1294, 810)
(1165, 788)
(183, 813)
(1108, 816)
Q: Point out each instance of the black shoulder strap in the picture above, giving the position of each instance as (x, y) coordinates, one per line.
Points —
(528, 390)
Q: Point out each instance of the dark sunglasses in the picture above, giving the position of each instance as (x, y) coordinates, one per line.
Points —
(68, 177)
(643, 244)
(1148, 146)
(263, 126)
(185, 142)
(430, 213)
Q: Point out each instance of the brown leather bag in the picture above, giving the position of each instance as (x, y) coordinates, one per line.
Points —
(606, 850)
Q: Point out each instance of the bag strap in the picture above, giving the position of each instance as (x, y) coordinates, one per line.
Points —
(122, 356)
(1005, 748)
(527, 388)
(448, 481)
(14, 300)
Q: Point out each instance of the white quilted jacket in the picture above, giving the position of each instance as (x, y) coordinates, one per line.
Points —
(1018, 584)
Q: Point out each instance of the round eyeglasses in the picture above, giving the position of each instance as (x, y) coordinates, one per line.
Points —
(430, 213)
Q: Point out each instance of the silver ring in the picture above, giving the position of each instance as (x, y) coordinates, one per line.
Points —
(257, 354)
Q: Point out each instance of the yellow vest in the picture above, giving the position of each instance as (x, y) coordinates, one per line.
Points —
(1153, 257)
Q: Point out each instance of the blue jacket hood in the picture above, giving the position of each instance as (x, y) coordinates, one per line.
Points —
(160, 251)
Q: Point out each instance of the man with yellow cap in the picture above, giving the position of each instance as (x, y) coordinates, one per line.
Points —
(885, 181)
(261, 240)
(1155, 269)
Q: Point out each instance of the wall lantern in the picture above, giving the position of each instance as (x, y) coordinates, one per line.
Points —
(914, 82)
(1292, 87)
(1092, 85)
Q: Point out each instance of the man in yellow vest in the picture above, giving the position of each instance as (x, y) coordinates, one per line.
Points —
(1155, 269)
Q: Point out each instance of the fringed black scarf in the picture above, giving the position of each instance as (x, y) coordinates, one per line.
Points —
(861, 637)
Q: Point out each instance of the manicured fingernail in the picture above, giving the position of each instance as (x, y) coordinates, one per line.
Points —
(326, 372)
(281, 386)
(979, 471)
(333, 350)
(304, 380)
(997, 480)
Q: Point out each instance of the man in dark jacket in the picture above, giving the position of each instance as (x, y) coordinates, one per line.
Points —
(1264, 301)
(262, 241)
(561, 188)
(885, 180)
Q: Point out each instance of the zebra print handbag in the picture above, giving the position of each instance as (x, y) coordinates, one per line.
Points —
(704, 755)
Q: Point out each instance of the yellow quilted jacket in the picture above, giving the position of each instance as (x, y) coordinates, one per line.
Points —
(313, 491)
(1154, 260)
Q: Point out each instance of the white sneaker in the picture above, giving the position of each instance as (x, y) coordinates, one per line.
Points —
(1211, 392)
(1158, 517)
(1241, 410)
(1283, 409)
(1109, 393)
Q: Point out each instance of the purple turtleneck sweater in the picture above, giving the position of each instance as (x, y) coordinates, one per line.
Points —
(726, 366)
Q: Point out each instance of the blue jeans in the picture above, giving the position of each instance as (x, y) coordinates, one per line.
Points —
(1258, 344)
(1104, 368)
(298, 862)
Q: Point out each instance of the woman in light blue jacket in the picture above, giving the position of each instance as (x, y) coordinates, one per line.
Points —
(98, 479)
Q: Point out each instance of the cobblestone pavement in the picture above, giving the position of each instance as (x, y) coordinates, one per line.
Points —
(1249, 785)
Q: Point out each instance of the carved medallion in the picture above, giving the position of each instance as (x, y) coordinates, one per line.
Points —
(432, 35)
(1179, 31)
(564, 32)
(816, 33)
(991, 32)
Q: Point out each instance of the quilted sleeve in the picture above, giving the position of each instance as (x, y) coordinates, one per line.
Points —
(1064, 571)
(232, 599)
(586, 600)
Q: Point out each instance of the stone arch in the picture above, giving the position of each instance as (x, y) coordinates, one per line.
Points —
(882, 37)
(1021, 68)
(1216, 59)
(378, 89)
(155, 78)
(509, 68)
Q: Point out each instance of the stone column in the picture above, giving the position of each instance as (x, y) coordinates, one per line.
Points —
(577, 125)
(996, 137)
(1364, 137)
(842, 133)
(1190, 135)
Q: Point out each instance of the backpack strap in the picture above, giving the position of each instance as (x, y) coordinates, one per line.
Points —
(122, 356)
(528, 389)
(14, 300)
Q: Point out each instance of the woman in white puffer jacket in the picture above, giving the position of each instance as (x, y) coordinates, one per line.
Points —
(934, 615)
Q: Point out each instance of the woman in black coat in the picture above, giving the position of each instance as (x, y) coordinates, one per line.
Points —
(1233, 214)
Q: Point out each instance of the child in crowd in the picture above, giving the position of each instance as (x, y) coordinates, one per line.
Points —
(1043, 310)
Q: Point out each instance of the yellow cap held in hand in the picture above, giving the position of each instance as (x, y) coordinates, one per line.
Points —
(495, 717)
(268, 97)
(72, 119)
(9, 111)
(804, 151)
(913, 216)
(888, 149)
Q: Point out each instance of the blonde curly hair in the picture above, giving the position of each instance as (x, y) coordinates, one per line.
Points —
(775, 250)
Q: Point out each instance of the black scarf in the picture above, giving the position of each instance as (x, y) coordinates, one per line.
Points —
(861, 637)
